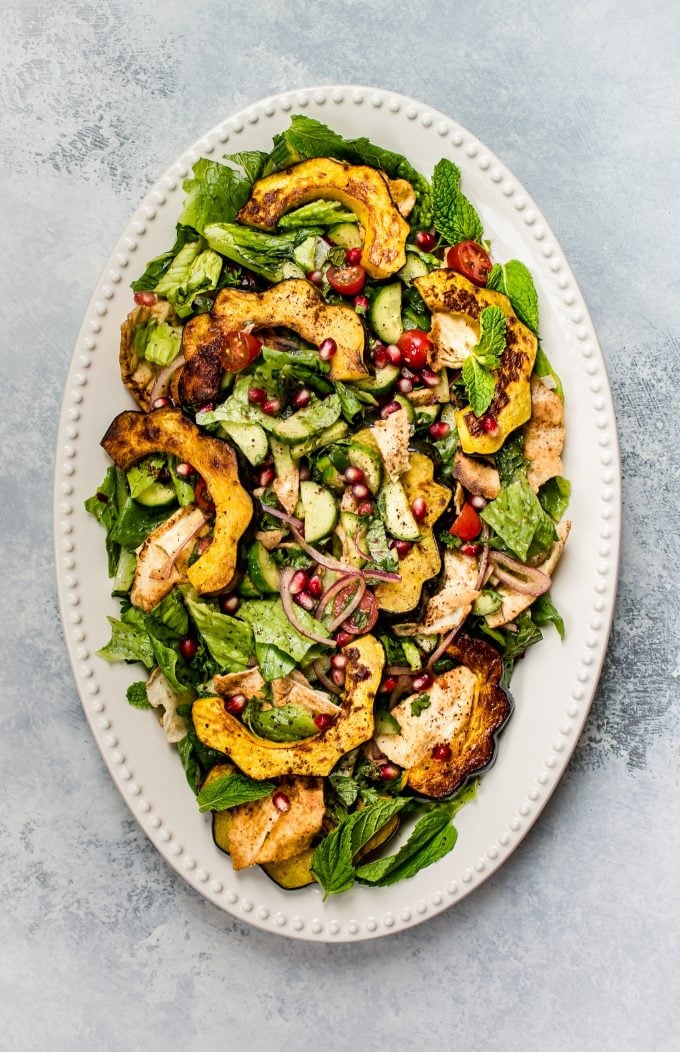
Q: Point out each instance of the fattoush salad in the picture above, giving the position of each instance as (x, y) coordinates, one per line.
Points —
(333, 519)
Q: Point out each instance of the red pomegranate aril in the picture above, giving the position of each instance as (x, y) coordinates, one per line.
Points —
(160, 403)
(439, 430)
(298, 582)
(266, 477)
(379, 355)
(184, 470)
(423, 682)
(402, 548)
(419, 509)
(360, 302)
(393, 353)
(387, 410)
(387, 772)
(188, 648)
(478, 502)
(360, 490)
(302, 398)
(145, 299)
(315, 587)
(235, 704)
(429, 378)
(339, 661)
(207, 407)
(342, 638)
(352, 257)
(315, 276)
(353, 474)
(471, 549)
(306, 601)
(229, 604)
(338, 676)
(489, 425)
(365, 508)
(442, 753)
(324, 720)
(425, 240)
(305, 472)
(404, 386)
(327, 349)
(281, 801)
(272, 407)
(388, 684)
(257, 395)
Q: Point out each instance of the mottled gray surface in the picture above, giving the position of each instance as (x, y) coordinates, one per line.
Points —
(573, 944)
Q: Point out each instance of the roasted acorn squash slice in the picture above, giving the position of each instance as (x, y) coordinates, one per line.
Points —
(447, 292)
(134, 435)
(362, 189)
(295, 304)
(294, 872)
(259, 758)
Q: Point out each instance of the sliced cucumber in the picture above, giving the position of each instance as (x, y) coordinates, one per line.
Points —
(449, 415)
(291, 270)
(329, 474)
(381, 382)
(408, 406)
(251, 439)
(156, 495)
(347, 235)
(426, 414)
(396, 512)
(286, 468)
(247, 589)
(411, 653)
(428, 395)
(320, 511)
(125, 572)
(263, 571)
(487, 603)
(414, 267)
(329, 435)
(350, 524)
(369, 461)
(308, 422)
(385, 313)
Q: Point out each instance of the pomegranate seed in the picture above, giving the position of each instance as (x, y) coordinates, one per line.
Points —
(380, 355)
(338, 676)
(360, 302)
(360, 491)
(236, 704)
(478, 502)
(315, 587)
(419, 509)
(102, 498)
(343, 638)
(315, 276)
(266, 477)
(298, 582)
(423, 681)
(387, 772)
(145, 299)
(306, 601)
(160, 403)
(229, 604)
(387, 410)
(393, 354)
(439, 430)
(353, 257)
(442, 753)
(339, 661)
(302, 398)
(324, 720)
(272, 407)
(207, 408)
(425, 240)
(388, 684)
(305, 473)
(402, 548)
(365, 508)
(405, 386)
(489, 425)
(353, 474)
(281, 802)
(257, 395)
(327, 349)
(188, 648)
(429, 378)
(184, 470)
(471, 549)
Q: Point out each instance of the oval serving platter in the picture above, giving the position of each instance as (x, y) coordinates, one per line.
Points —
(553, 688)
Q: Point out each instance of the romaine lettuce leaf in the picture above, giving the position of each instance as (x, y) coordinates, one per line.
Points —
(287, 723)
(129, 642)
(554, 496)
(317, 213)
(214, 195)
(163, 344)
(136, 522)
(258, 251)
(229, 640)
(172, 613)
(271, 626)
(518, 519)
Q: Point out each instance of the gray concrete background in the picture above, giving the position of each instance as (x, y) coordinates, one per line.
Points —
(574, 943)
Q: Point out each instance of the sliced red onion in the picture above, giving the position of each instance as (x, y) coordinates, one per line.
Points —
(484, 561)
(356, 539)
(326, 561)
(534, 581)
(333, 590)
(436, 654)
(381, 575)
(323, 678)
(348, 610)
(163, 572)
(161, 382)
(290, 520)
(289, 610)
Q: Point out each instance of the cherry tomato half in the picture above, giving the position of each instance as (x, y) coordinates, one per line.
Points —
(202, 496)
(468, 525)
(470, 260)
(363, 618)
(238, 350)
(415, 346)
(346, 280)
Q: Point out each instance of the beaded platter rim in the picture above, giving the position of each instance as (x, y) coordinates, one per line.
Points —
(433, 889)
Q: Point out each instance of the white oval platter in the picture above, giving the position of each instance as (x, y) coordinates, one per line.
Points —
(553, 687)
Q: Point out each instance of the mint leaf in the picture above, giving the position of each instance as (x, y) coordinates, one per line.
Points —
(251, 161)
(454, 217)
(479, 385)
(333, 861)
(492, 336)
(214, 195)
(419, 704)
(514, 280)
(189, 759)
(544, 611)
(230, 790)
(136, 695)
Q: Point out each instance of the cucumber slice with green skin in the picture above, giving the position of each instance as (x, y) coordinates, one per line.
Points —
(320, 511)
(487, 603)
(381, 382)
(411, 653)
(247, 589)
(346, 235)
(426, 415)
(369, 461)
(309, 422)
(263, 571)
(286, 468)
(385, 313)
(351, 524)
(414, 267)
(157, 495)
(396, 512)
(408, 406)
(125, 572)
(329, 474)
(251, 439)
(329, 435)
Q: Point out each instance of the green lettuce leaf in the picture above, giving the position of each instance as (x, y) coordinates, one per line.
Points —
(382, 556)
(542, 367)
(163, 344)
(189, 759)
(129, 642)
(158, 266)
(513, 645)
(104, 505)
(518, 518)
(287, 723)
(263, 253)
(317, 213)
(544, 611)
(135, 522)
(514, 280)
(454, 217)
(214, 195)
(510, 459)
(230, 790)
(171, 612)
(228, 639)
(349, 402)
(274, 664)
(271, 627)
(554, 496)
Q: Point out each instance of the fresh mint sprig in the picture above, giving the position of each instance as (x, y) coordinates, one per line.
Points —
(483, 358)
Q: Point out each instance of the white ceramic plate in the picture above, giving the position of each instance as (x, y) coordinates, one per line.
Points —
(553, 688)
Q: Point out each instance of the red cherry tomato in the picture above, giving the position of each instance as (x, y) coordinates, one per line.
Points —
(346, 280)
(468, 525)
(202, 496)
(238, 350)
(470, 260)
(363, 618)
(415, 346)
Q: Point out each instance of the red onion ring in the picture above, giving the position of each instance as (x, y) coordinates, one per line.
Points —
(323, 678)
(326, 561)
(535, 581)
(484, 561)
(164, 571)
(436, 654)
(290, 520)
(355, 541)
(289, 610)
(333, 590)
(161, 381)
(381, 575)
(348, 610)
